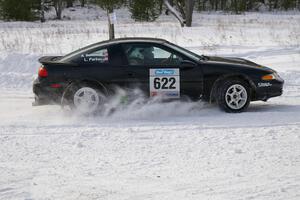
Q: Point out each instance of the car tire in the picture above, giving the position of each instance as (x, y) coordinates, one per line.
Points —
(84, 98)
(233, 95)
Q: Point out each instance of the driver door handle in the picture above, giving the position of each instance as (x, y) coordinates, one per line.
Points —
(130, 74)
(187, 67)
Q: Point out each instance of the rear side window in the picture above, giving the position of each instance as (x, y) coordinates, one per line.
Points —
(98, 56)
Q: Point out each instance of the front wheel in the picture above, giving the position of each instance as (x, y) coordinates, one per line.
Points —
(234, 96)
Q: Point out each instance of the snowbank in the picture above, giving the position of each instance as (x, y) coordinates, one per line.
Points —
(209, 31)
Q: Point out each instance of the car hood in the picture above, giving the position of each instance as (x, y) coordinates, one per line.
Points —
(232, 60)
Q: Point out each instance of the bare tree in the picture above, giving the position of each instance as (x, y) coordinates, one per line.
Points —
(189, 7)
(182, 10)
(82, 2)
(42, 11)
(173, 10)
(201, 5)
(235, 5)
(58, 5)
(180, 4)
(223, 4)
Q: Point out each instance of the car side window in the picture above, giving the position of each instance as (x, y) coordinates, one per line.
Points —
(94, 57)
(148, 54)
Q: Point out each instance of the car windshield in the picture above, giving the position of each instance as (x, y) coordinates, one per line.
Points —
(186, 52)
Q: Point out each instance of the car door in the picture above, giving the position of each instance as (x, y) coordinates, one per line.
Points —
(159, 70)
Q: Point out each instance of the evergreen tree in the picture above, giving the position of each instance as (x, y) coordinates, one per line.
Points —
(1, 11)
(189, 8)
(288, 4)
(109, 5)
(58, 5)
(83, 2)
(141, 10)
(69, 3)
(146, 10)
(25, 10)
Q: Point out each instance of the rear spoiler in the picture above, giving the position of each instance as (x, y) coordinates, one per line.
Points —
(55, 60)
(49, 59)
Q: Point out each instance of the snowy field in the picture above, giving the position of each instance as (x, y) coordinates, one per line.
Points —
(177, 150)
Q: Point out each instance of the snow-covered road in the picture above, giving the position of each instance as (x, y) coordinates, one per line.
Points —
(175, 150)
(193, 152)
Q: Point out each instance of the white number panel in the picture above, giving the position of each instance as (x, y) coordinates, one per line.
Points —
(165, 82)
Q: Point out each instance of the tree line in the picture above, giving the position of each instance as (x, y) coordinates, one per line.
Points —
(141, 10)
(239, 6)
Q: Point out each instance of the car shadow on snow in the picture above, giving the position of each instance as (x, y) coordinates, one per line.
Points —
(265, 107)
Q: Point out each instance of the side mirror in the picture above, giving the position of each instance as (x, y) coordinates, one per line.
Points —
(187, 63)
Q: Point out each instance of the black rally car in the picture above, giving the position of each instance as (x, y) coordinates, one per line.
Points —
(159, 68)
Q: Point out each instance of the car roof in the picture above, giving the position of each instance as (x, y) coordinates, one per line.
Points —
(131, 39)
(139, 39)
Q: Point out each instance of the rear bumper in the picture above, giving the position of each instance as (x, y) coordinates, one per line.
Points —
(39, 102)
(45, 95)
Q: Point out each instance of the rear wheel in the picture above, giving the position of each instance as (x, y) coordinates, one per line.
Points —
(234, 96)
(85, 98)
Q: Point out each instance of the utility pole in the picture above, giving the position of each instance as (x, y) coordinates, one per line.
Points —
(111, 23)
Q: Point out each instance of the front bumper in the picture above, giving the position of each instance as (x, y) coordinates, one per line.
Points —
(269, 89)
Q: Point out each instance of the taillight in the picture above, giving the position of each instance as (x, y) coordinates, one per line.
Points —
(43, 72)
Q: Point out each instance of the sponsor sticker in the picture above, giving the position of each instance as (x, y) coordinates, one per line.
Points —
(167, 72)
(264, 84)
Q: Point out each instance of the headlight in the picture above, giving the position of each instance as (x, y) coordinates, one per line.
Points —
(269, 77)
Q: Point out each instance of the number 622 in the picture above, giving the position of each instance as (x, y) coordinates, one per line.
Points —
(164, 83)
